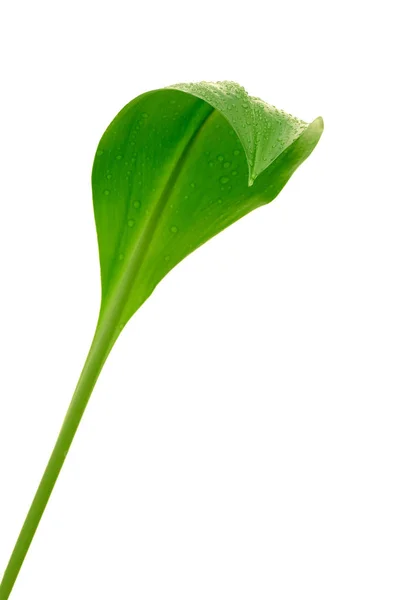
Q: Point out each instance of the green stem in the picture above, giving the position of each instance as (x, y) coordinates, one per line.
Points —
(104, 339)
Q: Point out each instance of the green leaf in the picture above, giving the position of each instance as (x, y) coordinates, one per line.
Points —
(175, 167)
(178, 165)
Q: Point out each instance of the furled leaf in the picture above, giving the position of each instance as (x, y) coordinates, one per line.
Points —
(175, 167)
(178, 165)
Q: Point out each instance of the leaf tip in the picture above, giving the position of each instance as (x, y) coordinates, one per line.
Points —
(319, 124)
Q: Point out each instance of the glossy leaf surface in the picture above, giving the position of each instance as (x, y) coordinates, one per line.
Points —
(178, 165)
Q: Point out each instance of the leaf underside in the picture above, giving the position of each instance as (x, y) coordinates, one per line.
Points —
(178, 165)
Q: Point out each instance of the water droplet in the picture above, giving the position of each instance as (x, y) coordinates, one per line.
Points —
(131, 222)
(119, 156)
(109, 176)
(167, 257)
(106, 192)
(227, 164)
(219, 200)
(236, 152)
(224, 179)
(137, 204)
(174, 229)
(100, 152)
(234, 172)
(192, 185)
(211, 163)
(145, 115)
(220, 157)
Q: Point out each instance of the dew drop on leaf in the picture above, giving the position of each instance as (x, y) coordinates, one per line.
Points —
(174, 229)
(131, 223)
(106, 192)
(224, 179)
(227, 165)
(137, 204)
(220, 157)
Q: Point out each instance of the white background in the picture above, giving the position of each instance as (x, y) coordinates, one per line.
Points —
(243, 439)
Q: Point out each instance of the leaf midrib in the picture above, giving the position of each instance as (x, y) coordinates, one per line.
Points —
(121, 288)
